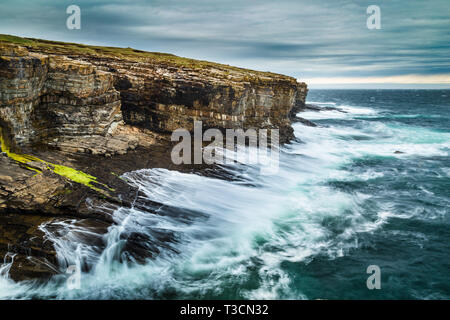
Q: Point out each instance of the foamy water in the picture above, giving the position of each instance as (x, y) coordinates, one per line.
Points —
(216, 238)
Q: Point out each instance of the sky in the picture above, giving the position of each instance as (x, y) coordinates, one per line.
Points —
(325, 43)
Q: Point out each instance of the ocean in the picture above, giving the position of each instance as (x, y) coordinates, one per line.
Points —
(370, 185)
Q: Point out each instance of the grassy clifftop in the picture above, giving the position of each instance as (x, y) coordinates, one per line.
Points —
(66, 48)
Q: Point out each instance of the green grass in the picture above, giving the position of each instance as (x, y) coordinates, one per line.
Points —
(48, 46)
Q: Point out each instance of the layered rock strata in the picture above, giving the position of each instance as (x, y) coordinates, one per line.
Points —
(74, 100)
(64, 107)
(59, 102)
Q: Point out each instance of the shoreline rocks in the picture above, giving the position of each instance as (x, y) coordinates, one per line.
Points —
(99, 112)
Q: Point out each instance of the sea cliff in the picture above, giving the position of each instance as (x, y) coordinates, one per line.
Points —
(74, 117)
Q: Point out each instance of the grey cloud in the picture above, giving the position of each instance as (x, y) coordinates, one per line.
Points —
(301, 38)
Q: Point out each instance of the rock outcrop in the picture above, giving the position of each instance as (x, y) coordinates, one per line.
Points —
(58, 102)
(75, 99)
(74, 117)
(165, 98)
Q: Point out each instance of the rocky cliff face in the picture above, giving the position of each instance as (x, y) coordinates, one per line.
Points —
(164, 98)
(64, 107)
(59, 102)
(76, 100)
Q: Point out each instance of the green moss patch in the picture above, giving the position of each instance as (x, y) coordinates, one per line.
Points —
(64, 171)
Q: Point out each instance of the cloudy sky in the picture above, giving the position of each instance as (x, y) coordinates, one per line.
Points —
(323, 42)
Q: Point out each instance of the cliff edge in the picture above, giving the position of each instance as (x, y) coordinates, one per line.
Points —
(74, 117)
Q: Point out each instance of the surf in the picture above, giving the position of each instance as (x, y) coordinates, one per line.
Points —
(201, 236)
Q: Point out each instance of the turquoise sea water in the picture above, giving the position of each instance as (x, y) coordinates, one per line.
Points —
(369, 186)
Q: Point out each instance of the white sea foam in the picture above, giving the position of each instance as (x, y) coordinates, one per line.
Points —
(225, 232)
(358, 110)
(321, 103)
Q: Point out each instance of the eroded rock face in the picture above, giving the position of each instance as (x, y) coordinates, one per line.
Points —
(59, 102)
(164, 99)
(76, 102)
(70, 105)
